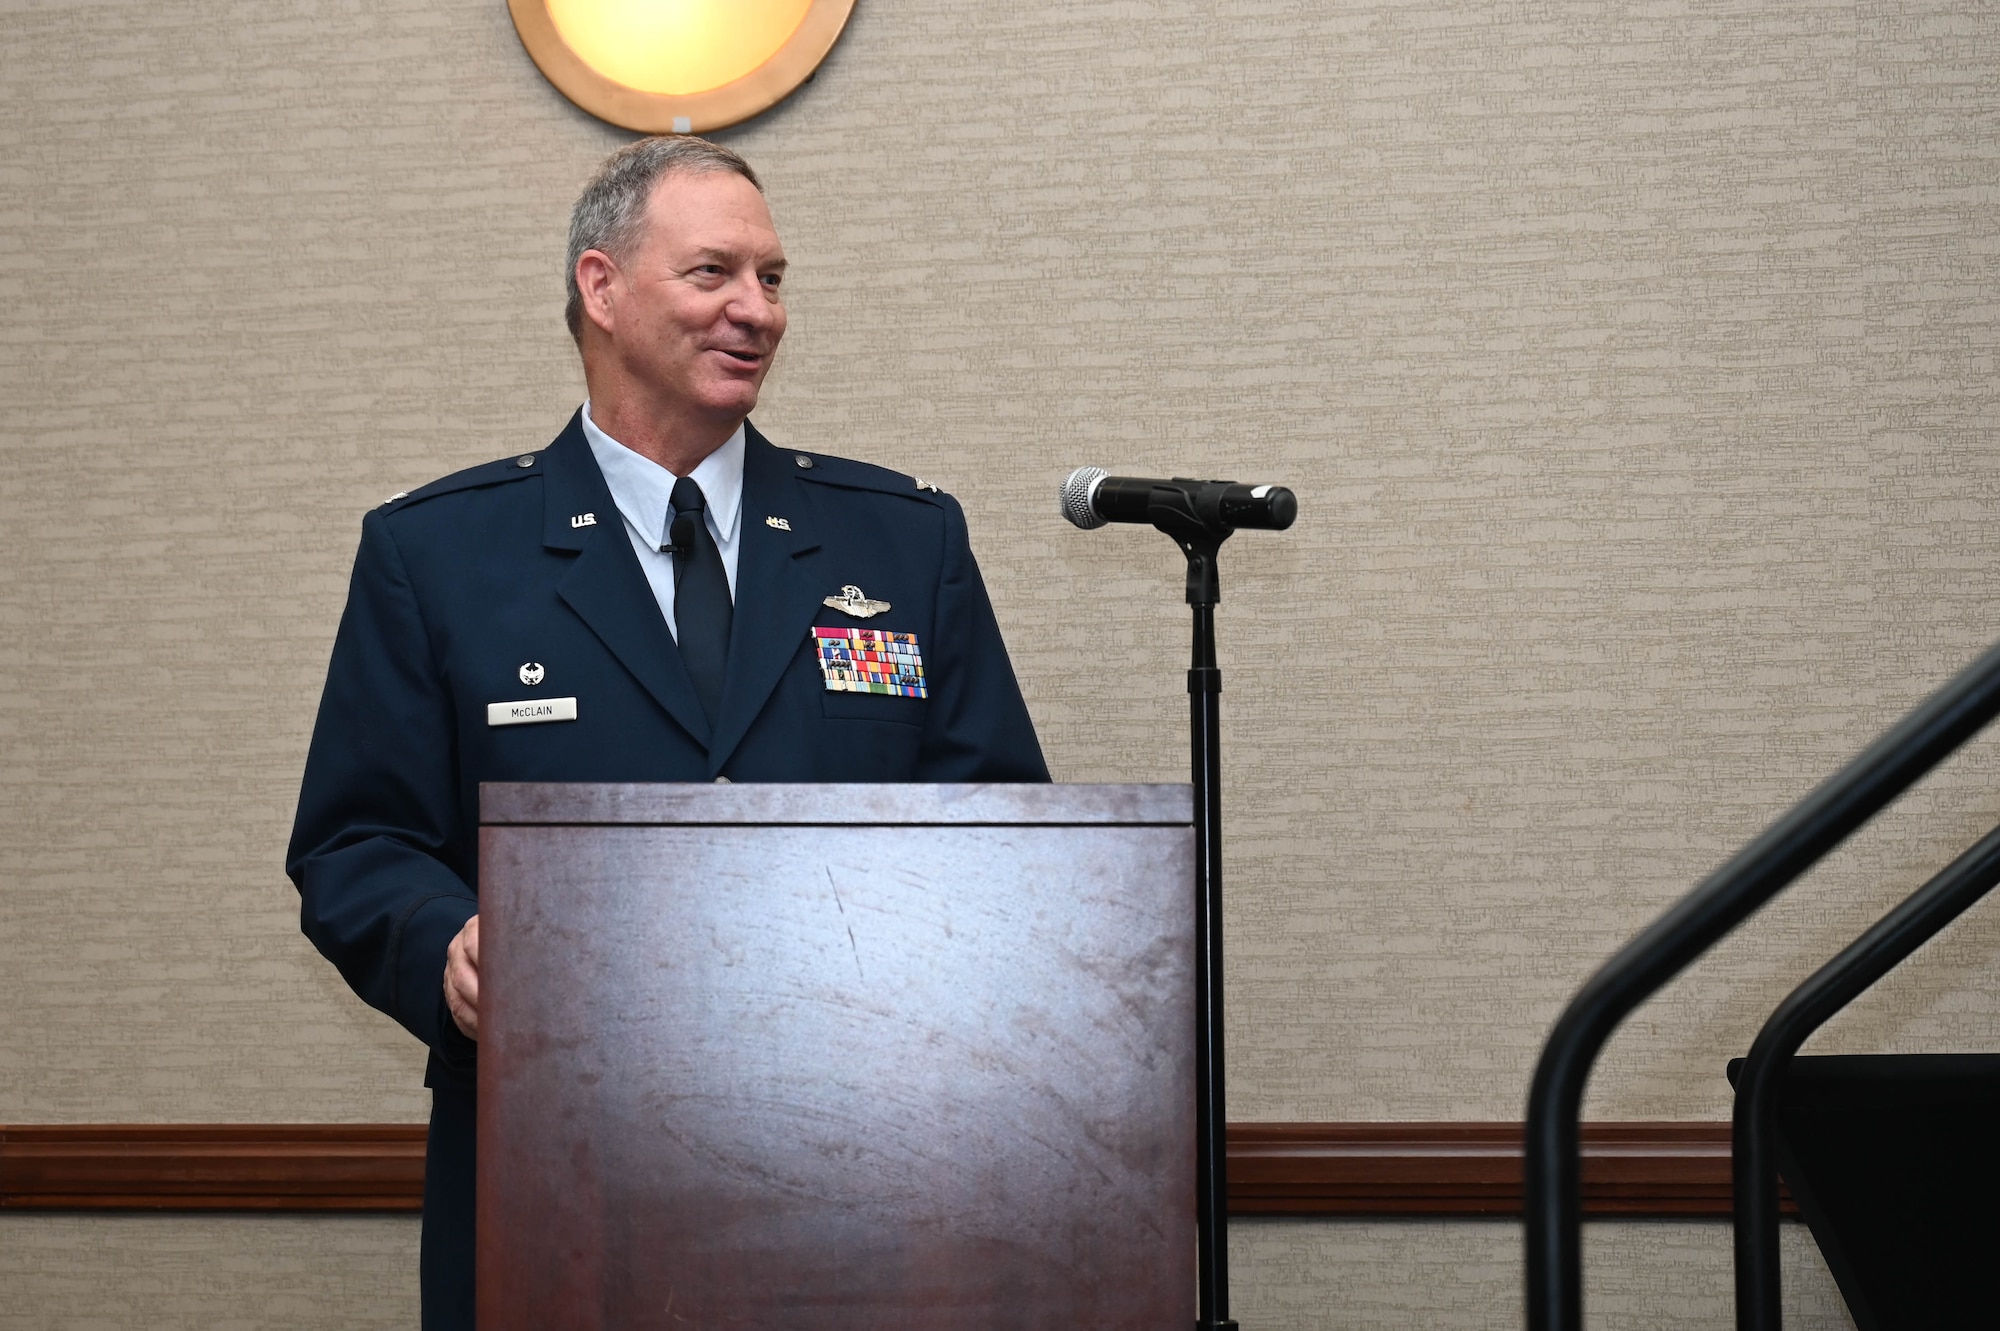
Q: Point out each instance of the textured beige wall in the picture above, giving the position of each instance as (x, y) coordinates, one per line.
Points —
(1635, 365)
(207, 1273)
(1458, 1276)
(348, 1273)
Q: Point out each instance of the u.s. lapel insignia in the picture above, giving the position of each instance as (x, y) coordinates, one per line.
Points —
(852, 602)
(782, 524)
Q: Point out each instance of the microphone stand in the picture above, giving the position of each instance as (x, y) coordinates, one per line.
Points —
(1200, 539)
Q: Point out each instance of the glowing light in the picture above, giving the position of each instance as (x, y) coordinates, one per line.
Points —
(676, 47)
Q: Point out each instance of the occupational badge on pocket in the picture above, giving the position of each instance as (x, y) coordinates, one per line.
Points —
(852, 601)
(870, 661)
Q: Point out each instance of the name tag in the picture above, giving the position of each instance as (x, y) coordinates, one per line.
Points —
(531, 711)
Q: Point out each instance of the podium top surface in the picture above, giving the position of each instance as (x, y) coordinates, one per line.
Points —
(836, 805)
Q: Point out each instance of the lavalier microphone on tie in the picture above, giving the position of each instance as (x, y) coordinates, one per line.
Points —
(681, 532)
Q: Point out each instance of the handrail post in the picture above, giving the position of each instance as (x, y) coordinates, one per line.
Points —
(1758, 872)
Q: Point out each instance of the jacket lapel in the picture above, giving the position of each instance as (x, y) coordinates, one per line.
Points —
(605, 586)
(778, 586)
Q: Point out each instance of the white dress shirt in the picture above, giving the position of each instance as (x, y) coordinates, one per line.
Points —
(643, 491)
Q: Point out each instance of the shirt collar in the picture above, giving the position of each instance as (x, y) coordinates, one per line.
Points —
(643, 489)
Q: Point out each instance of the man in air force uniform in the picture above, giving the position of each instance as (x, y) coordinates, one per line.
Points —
(659, 595)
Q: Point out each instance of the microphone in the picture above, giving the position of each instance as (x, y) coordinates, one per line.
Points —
(681, 533)
(1091, 498)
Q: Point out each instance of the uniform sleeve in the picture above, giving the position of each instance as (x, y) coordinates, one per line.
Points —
(378, 851)
(978, 727)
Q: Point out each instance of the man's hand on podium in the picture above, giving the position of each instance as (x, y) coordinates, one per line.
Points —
(461, 978)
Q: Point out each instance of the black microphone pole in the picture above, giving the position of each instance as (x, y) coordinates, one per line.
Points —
(1199, 516)
(1171, 512)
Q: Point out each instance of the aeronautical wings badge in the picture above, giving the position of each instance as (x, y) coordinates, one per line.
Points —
(851, 601)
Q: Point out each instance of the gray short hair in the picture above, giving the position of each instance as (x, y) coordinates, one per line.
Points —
(612, 207)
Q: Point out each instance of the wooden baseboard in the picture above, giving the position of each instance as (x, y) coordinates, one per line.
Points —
(213, 1167)
(1470, 1170)
(1437, 1170)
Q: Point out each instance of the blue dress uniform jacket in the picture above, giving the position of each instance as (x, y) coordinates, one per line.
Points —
(461, 585)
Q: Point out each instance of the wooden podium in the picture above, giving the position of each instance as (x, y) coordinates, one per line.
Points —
(821, 1057)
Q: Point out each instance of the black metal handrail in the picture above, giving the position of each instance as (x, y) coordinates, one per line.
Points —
(1920, 917)
(1696, 923)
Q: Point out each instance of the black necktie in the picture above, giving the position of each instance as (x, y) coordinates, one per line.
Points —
(702, 609)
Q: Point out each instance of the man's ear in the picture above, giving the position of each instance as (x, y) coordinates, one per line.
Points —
(596, 280)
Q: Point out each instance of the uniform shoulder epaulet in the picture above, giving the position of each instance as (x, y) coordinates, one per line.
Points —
(862, 476)
(498, 472)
